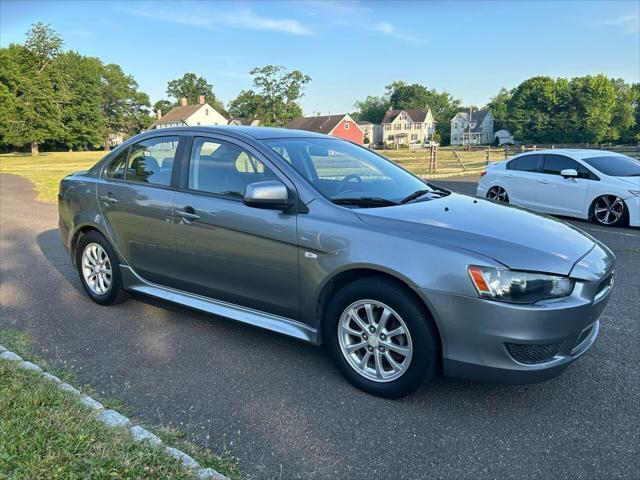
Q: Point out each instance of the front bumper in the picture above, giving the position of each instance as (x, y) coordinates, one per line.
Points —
(510, 343)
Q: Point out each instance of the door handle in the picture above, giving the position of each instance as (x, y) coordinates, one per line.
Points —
(108, 198)
(509, 176)
(543, 181)
(188, 214)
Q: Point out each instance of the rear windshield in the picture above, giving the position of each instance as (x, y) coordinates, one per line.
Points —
(615, 165)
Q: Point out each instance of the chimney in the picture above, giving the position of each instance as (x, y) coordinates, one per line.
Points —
(201, 100)
(183, 102)
(158, 114)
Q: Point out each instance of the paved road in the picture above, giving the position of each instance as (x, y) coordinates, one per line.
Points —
(282, 408)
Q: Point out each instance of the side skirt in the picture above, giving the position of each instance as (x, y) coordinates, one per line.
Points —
(286, 326)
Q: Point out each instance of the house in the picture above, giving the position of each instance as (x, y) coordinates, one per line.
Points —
(185, 115)
(372, 133)
(402, 127)
(503, 137)
(342, 126)
(477, 131)
(249, 122)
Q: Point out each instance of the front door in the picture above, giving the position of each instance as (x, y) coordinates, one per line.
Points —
(136, 200)
(230, 251)
(559, 195)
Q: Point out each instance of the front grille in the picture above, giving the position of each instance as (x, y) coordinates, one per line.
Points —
(583, 336)
(533, 354)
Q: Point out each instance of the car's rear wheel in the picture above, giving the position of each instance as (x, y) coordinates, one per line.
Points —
(610, 211)
(98, 269)
(382, 338)
(498, 194)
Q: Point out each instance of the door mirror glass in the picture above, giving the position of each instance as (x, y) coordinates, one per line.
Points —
(569, 173)
(269, 194)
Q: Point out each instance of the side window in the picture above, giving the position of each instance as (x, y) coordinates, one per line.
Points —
(151, 161)
(527, 163)
(554, 164)
(116, 167)
(220, 167)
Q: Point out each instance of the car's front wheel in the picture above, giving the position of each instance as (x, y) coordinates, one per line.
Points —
(382, 338)
(98, 269)
(609, 211)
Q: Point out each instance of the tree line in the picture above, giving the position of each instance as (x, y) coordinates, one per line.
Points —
(59, 99)
(56, 99)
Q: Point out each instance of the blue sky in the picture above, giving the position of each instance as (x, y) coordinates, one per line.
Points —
(350, 49)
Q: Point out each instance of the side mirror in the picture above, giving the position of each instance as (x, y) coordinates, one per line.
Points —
(270, 194)
(569, 173)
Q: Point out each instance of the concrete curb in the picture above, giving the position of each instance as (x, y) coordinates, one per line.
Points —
(113, 419)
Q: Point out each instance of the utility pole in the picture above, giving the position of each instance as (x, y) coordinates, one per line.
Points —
(469, 124)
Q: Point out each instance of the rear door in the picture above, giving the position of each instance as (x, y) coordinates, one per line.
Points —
(559, 195)
(227, 250)
(136, 198)
(520, 179)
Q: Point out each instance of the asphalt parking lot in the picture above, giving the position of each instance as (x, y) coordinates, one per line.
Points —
(282, 408)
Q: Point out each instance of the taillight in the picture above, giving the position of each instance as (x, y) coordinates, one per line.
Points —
(483, 173)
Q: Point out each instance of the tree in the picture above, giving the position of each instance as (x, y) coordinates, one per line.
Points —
(498, 106)
(247, 104)
(274, 102)
(190, 86)
(372, 109)
(82, 114)
(531, 109)
(624, 113)
(163, 105)
(123, 106)
(595, 102)
(33, 89)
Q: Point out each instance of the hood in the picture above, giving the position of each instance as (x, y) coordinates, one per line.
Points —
(633, 181)
(515, 237)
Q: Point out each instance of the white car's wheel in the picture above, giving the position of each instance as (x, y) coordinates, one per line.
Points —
(498, 194)
(609, 211)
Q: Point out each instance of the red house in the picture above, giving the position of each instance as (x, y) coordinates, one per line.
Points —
(342, 126)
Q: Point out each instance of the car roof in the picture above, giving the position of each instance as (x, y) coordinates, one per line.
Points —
(241, 131)
(577, 153)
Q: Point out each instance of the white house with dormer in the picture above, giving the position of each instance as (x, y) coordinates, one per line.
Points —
(403, 127)
(475, 131)
(185, 115)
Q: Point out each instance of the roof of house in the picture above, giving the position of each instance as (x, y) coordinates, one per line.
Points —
(415, 114)
(477, 116)
(179, 113)
(320, 124)
(364, 122)
(242, 120)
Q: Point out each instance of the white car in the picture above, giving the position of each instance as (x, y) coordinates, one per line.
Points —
(590, 184)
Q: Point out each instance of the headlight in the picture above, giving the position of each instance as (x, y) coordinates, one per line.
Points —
(635, 192)
(518, 287)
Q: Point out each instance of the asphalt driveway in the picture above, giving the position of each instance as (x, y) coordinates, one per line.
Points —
(283, 409)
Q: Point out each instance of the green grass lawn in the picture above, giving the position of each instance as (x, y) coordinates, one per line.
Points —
(46, 170)
(417, 161)
(46, 433)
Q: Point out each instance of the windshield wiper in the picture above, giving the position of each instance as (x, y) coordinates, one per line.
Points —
(415, 195)
(364, 201)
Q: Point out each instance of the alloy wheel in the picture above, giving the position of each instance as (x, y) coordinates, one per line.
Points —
(608, 209)
(96, 269)
(375, 340)
(498, 194)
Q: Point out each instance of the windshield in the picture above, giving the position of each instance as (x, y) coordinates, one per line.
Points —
(342, 171)
(615, 165)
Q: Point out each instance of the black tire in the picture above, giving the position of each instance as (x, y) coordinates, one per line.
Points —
(426, 356)
(115, 293)
(622, 220)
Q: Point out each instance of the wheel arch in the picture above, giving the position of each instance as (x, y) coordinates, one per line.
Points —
(344, 277)
(592, 205)
(80, 232)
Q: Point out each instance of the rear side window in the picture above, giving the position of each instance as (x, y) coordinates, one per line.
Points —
(151, 161)
(526, 163)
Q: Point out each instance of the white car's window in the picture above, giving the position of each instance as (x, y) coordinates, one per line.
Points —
(526, 163)
(554, 164)
(615, 165)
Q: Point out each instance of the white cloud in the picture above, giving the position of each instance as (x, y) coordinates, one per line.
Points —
(242, 19)
(392, 31)
(627, 23)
